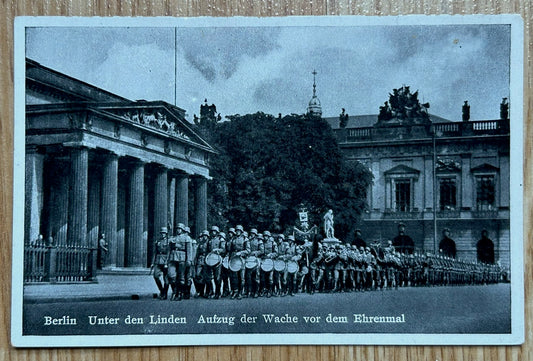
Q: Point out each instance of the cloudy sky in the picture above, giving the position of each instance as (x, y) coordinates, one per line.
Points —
(248, 69)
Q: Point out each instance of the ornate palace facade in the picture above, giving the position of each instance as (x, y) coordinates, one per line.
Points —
(430, 171)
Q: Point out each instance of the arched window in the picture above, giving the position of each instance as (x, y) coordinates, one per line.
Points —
(485, 250)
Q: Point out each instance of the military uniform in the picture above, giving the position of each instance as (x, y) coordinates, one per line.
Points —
(257, 249)
(216, 244)
(238, 247)
(159, 265)
(179, 263)
(270, 251)
(201, 278)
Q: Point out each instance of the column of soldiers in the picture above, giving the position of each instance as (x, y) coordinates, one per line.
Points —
(264, 265)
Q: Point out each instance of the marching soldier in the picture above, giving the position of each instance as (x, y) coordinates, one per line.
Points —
(200, 274)
(238, 247)
(216, 244)
(317, 268)
(252, 274)
(270, 252)
(277, 288)
(225, 273)
(159, 264)
(292, 254)
(179, 263)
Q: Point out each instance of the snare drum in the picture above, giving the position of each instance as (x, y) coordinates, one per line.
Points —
(267, 265)
(213, 259)
(236, 263)
(279, 265)
(292, 267)
(251, 262)
(225, 262)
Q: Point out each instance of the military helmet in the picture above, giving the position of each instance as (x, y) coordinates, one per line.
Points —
(205, 233)
(260, 236)
(253, 231)
(245, 234)
(291, 238)
(231, 230)
(267, 234)
(181, 226)
(239, 228)
(164, 230)
(282, 236)
(187, 229)
(222, 235)
(215, 228)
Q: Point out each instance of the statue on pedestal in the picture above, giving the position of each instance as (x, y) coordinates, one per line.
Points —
(328, 224)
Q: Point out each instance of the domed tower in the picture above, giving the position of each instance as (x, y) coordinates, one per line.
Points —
(314, 109)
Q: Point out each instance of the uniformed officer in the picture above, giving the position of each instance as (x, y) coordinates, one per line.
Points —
(179, 263)
(252, 274)
(160, 263)
(238, 247)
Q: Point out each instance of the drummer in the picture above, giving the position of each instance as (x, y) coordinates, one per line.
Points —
(270, 252)
(224, 271)
(217, 245)
(291, 256)
(200, 274)
(277, 285)
(238, 250)
(252, 274)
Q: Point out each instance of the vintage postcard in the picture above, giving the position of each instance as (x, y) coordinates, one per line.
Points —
(241, 181)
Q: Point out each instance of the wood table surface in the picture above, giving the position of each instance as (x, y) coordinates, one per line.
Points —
(11, 8)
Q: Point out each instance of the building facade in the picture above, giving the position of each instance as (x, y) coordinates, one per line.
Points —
(433, 175)
(97, 163)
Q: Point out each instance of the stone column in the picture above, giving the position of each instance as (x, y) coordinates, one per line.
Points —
(108, 211)
(160, 199)
(93, 209)
(182, 200)
(135, 247)
(77, 213)
(171, 215)
(200, 205)
(33, 204)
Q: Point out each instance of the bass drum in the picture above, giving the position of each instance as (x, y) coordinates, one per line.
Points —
(213, 259)
(292, 267)
(267, 265)
(252, 262)
(236, 263)
(225, 262)
(279, 265)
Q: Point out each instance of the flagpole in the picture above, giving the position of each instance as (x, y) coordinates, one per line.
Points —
(175, 65)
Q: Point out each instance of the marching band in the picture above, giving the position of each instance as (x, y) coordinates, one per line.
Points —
(258, 264)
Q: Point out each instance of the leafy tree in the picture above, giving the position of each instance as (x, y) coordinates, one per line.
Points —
(267, 167)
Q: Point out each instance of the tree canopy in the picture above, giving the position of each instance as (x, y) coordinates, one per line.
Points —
(268, 167)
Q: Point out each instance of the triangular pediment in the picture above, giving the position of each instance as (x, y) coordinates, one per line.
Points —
(485, 168)
(159, 116)
(402, 169)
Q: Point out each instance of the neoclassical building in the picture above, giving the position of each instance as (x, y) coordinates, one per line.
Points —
(97, 163)
(433, 174)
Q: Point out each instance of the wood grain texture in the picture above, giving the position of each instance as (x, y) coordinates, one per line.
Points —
(10, 9)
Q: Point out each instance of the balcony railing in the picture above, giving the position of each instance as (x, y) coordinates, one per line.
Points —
(449, 129)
